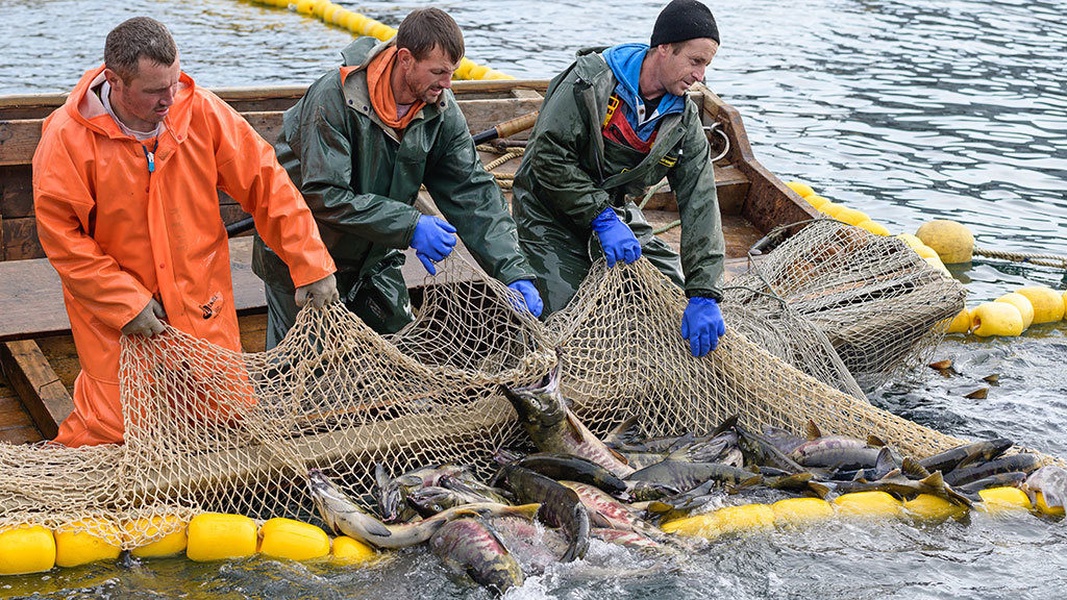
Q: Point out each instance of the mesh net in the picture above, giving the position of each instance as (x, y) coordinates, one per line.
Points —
(213, 430)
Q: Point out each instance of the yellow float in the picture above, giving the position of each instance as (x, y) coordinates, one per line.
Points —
(868, 504)
(215, 536)
(173, 540)
(996, 318)
(802, 189)
(952, 241)
(801, 511)
(1047, 302)
(927, 507)
(348, 551)
(26, 549)
(86, 541)
(1026, 309)
(962, 322)
(286, 538)
(1000, 499)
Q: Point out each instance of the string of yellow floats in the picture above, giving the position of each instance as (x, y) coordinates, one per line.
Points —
(339, 16)
(942, 242)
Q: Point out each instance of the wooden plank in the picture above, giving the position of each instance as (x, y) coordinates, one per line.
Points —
(42, 392)
(18, 140)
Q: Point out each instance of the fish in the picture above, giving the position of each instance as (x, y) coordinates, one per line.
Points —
(392, 492)
(962, 455)
(628, 539)
(344, 516)
(898, 484)
(535, 546)
(607, 512)
(1023, 461)
(886, 461)
(471, 546)
(553, 427)
(759, 451)
(836, 452)
(575, 468)
(1051, 481)
(432, 499)
(560, 506)
(687, 475)
(1011, 478)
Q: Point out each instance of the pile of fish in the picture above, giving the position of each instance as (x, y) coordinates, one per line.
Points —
(544, 507)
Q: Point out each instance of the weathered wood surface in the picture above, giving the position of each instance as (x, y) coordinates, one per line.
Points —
(43, 394)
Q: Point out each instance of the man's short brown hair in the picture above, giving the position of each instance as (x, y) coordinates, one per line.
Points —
(427, 28)
(136, 38)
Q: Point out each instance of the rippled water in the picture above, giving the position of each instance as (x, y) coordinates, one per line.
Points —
(909, 110)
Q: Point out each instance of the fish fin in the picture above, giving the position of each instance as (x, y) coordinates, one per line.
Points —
(818, 489)
(812, 431)
(727, 424)
(935, 479)
(876, 442)
(621, 433)
(526, 511)
(912, 469)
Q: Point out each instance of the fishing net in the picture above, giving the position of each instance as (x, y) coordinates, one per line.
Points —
(213, 430)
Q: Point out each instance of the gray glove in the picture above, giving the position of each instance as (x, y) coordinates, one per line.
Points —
(319, 293)
(147, 322)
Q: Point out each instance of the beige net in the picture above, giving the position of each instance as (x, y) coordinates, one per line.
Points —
(213, 430)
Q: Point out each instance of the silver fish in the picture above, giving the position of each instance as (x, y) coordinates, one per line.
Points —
(554, 428)
(1051, 481)
(344, 516)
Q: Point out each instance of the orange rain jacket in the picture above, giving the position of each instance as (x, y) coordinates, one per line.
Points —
(119, 236)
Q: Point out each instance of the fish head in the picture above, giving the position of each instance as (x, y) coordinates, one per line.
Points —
(389, 495)
(331, 503)
(541, 405)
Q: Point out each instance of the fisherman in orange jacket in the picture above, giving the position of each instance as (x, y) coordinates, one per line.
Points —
(125, 182)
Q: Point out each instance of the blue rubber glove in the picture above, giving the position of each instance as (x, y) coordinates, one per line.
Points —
(434, 239)
(702, 325)
(531, 297)
(617, 240)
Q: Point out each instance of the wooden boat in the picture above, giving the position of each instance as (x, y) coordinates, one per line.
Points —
(37, 352)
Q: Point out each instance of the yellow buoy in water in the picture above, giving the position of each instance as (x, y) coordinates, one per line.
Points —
(913, 242)
(851, 216)
(348, 551)
(952, 241)
(695, 526)
(87, 540)
(801, 188)
(1026, 309)
(868, 504)
(996, 318)
(171, 528)
(1042, 506)
(26, 549)
(1001, 499)
(1047, 303)
(216, 536)
(744, 518)
(801, 511)
(873, 227)
(925, 252)
(927, 507)
(962, 322)
(286, 538)
(817, 202)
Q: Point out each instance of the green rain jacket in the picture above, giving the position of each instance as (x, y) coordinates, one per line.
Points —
(572, 173)
(361, 179)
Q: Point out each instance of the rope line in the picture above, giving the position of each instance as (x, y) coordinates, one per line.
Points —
(1048, 260)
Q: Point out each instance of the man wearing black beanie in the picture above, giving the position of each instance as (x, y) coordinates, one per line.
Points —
(614, 123)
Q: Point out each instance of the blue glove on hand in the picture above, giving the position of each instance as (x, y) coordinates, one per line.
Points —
(433, 240)
(702, 325)
(530, 296)
(617, 240)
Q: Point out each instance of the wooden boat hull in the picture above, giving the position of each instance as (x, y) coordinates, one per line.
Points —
(36, 350)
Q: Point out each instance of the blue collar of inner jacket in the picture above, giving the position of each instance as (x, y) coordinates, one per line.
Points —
(625, 63)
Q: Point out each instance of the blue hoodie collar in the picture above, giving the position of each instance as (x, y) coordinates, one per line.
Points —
(625, 63)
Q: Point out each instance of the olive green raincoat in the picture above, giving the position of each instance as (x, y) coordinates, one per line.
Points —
(570, 173)
(361, 179)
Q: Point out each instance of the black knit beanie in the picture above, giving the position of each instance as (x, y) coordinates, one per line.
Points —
(683, 20)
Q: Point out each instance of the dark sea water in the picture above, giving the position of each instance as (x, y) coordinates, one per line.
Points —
(908, 110)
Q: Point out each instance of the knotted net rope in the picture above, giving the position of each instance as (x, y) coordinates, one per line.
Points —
(213, 430)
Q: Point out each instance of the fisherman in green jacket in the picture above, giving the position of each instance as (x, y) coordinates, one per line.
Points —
(359, 144)
(612, 124)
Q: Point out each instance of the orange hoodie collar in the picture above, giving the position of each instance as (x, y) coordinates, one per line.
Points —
(379, 76)
(85, 107)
